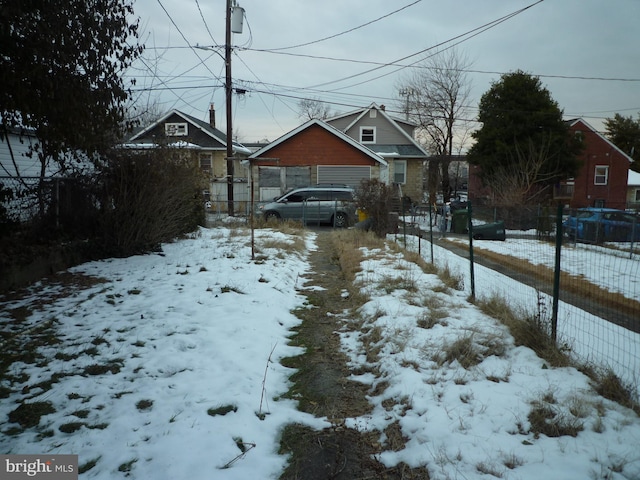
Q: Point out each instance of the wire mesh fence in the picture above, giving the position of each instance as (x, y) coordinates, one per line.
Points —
(591, 273)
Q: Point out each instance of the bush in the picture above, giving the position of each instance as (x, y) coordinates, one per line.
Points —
(149, 198)
(375, 198)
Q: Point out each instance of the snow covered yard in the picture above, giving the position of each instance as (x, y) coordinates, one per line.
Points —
(465, 399)
(168, 368)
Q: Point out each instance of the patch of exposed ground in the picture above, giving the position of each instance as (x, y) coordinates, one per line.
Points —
(323, 388)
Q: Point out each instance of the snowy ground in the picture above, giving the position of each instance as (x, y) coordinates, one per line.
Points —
(198, 331)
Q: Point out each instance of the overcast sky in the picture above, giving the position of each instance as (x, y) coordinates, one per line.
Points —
(586, 52)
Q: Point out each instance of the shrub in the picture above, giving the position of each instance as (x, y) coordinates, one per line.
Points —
(149, 197)
(375, 198)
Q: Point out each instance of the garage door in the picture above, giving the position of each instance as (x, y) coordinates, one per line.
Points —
(343, 174)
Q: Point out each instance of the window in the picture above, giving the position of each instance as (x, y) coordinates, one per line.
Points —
(601, 176)
(367, 134)
(205, 162)
(175, 129)
(637, 196)
(400, 171)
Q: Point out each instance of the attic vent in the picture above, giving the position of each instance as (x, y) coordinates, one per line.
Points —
(175, 129)
(373, 113)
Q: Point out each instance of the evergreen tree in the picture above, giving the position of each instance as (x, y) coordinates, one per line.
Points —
(624, 132)
(60, 68)
(518, 115)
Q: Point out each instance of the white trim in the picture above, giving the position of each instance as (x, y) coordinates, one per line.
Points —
(373, 134)
(605, 175)
(593, 130)
(176, 129)
(398, 162)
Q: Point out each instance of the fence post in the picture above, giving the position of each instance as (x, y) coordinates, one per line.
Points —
(404, 223)
(471, 267)
(634, 226)
(431, 230)
(556, 275)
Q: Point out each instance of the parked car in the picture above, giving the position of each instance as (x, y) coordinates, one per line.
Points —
(316, 204)
(602, 225)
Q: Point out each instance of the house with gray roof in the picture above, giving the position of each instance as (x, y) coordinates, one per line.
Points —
(392, 139)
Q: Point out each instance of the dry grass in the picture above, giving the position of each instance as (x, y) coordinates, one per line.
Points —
(548, 419)
(450, 279)
(527, 330)
(415, 257)
(296, 245)
(607, 384)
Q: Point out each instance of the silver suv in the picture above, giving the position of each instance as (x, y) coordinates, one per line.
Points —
(318, 204)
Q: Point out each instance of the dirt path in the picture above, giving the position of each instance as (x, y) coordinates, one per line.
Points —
(323, 388)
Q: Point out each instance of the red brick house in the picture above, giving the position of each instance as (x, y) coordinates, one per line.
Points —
(311, 154)
(602, 179)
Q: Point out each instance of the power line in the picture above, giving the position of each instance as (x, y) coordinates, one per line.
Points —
(471, 33)
(185, 38)
(346, 31)
(205, 22)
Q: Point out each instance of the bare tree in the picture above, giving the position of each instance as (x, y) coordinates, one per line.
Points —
(435, 95)
(310, 108)
(524, 180)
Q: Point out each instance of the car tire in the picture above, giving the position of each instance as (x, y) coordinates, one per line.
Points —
(271, 216)
(340, 220)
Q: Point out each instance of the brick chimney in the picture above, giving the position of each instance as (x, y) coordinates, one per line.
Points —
(212, 115)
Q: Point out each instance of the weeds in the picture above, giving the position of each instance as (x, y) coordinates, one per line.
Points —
(222, 410)
(547, 418)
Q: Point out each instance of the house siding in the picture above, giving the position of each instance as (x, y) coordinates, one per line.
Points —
(413, 187)
(599, 152)
(24, 165)
(385, 133)
(315, 146)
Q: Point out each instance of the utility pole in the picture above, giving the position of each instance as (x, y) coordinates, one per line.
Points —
(228, 91)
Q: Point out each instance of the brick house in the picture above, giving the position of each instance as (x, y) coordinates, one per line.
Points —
(313, 153)
(600, 182)
(602, 179)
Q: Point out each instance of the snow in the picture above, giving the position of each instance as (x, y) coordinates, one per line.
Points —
(202, 326)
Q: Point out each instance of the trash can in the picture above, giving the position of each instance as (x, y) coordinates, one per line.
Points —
(459, 221)
(489, 231)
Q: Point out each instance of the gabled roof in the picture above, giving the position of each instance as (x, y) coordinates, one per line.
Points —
(415, 150)
(332, 130)
(360, 112)
(633, 179)
(207, 129)
(574, 121)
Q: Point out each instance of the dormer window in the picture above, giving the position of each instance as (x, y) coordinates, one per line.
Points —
(367, 134)
(175, 129)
